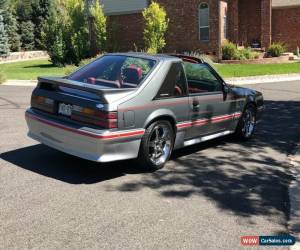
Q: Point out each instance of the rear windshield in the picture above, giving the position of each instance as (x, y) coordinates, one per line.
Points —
(114, 71)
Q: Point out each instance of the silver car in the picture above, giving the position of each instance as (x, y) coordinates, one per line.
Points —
(133, 105)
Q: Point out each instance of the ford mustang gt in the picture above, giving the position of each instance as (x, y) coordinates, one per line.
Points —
(133, 105)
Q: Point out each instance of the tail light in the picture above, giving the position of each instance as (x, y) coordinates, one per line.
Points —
(103, 119)
(42, 103)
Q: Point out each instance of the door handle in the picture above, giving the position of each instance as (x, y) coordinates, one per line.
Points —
(196, 105)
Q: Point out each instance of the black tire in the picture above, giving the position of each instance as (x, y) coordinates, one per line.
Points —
(150, 147)
(247, 123)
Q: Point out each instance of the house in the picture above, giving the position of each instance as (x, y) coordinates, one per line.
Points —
(202, 25)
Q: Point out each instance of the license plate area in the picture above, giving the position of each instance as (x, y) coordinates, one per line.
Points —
(65, 109)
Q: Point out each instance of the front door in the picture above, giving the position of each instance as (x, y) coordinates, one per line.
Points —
(211, 109)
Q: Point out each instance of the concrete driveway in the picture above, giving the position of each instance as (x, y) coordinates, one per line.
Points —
(207, 197)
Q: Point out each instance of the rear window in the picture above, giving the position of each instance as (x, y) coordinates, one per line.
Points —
(115, 71)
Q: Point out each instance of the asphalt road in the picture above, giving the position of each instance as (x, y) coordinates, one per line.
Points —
(207, 197)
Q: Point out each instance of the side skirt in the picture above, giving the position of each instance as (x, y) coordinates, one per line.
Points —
(207, 138)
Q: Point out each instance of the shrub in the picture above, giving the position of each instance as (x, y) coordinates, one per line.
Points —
(98, 27)
(68, 69)
(229, 51)
(2, 77)
(156, 25)
(276, 49)
(65, 34)
(52, 39)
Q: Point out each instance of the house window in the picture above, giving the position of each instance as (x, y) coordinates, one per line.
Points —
(204, 22)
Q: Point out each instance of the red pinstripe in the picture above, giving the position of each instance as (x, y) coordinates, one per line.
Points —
(112, 135)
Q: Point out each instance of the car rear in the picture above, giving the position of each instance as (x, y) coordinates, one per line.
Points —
(77, 114)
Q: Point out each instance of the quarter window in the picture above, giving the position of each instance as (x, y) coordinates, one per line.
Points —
(204, 22)
(174, 84)
(201, 79)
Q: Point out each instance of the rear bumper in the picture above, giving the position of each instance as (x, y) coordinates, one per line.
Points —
(102, 146)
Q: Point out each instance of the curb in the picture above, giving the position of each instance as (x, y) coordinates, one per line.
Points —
(263, 79)
(234, 81)
(28, 83)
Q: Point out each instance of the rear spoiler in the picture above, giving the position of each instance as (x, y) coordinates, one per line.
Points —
(104, 94)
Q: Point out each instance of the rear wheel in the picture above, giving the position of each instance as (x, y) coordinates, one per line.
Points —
(247, 124)
(156, 146)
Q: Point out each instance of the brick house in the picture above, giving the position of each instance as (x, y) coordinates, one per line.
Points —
(202, 25)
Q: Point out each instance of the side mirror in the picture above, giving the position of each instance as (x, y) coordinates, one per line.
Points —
(226, 90)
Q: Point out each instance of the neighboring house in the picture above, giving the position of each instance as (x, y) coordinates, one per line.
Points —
(202, 25)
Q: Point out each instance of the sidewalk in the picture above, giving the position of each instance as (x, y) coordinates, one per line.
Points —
(235, 80)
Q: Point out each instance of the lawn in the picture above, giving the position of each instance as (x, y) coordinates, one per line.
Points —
(242, 70)
(30, 70)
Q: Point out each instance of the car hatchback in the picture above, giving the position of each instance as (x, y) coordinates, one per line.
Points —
(133, 105)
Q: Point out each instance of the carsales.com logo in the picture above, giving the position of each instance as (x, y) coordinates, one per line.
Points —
(285, 240)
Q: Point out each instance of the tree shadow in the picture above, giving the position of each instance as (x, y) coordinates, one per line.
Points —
(42, 66)
(248, 178)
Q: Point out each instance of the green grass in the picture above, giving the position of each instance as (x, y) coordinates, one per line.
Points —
(30, 70)
(243, 70)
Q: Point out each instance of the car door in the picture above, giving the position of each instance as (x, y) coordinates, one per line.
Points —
(212, 107)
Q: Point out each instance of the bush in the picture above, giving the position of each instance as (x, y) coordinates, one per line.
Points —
(276, 50)
(65, 34)
(156, 25)
(68, 69)
(52, 39)
(229, 51)
(2, 77)
(98, 27)
(71, 68)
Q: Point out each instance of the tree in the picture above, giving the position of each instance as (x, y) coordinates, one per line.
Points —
(52, 38)
(27, 35)
(156, 25)
(97, 23)
(11, 26)
(24, 10)
(41, 10)
(65, 34)
(4, 46)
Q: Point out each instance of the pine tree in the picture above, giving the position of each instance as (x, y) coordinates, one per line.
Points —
(4, 46)
(11, 26)
(41, 10)
(27, 35)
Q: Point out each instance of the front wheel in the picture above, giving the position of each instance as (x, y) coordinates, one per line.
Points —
(156, 146)
(247, 123)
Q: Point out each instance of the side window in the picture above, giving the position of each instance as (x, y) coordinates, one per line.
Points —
(201, 79)
(174, 84)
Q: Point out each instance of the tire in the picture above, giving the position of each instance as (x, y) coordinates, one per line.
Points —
(156, 146)
(247, 123)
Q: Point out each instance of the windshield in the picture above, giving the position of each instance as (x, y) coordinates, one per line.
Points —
(114, 71)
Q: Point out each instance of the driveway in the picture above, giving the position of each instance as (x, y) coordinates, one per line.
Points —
(207, 197)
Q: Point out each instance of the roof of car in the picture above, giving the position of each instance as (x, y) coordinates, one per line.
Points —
(161, 57)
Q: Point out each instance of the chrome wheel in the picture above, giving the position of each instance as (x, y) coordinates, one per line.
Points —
(160, 144)
(249, 121)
